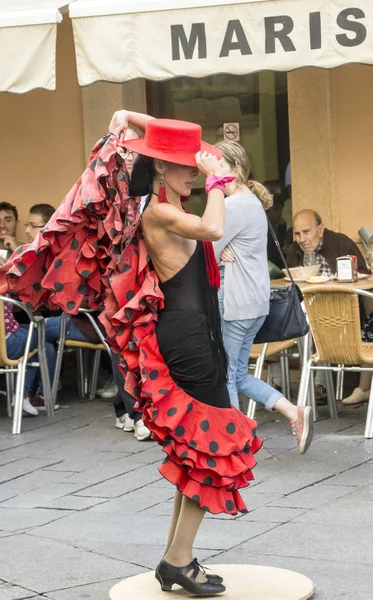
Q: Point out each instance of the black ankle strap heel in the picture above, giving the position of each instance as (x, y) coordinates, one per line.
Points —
(186, 577)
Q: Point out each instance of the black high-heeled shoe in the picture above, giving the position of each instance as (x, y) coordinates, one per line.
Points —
(167, 575)
(209, 576)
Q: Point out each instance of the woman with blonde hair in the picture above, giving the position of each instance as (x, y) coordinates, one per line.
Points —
(245, 287)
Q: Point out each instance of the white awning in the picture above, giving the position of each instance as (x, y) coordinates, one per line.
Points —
(28, 31)
(118, 40)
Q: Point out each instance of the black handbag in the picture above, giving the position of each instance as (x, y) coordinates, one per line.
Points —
(286, 319)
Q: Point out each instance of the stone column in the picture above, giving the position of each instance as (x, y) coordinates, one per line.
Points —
(312, 148)
(101, 99)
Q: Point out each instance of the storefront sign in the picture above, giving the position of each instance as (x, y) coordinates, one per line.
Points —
(235, 38)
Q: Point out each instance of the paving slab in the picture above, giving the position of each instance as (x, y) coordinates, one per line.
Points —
(346, 544)
(314, 496)
(92, 591)
(117, 486)
(332, 580)
(14, 592)
(55, 565)
(41, 497)
(14, 519)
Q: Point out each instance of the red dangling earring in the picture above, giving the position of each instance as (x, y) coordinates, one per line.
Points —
(162, 197)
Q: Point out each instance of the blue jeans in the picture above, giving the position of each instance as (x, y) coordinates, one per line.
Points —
(15, 347)
(53, 326)
(238, 337)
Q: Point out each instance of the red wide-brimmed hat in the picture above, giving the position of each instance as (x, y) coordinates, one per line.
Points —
(172, 140)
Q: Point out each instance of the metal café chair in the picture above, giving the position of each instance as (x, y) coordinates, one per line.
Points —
(334, 317)
(259, 353)
(19, 365)
(84, 385)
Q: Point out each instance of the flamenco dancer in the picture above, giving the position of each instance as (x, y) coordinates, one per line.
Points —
(157, 280)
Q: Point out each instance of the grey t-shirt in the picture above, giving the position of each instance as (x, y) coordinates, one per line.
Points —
(246, 281)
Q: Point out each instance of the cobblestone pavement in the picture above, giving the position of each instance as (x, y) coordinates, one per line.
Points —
(82, 506)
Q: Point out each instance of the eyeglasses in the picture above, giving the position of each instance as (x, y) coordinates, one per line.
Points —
(32, 225)
(128, 154)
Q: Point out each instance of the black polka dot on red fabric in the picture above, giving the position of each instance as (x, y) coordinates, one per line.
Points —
(179, 431)
(171, 411)
(231, 428)
(205, 508)
(148, 394)
(113, 232)
(153, 374)
(184, 455)
(229, 505)
(207, 481)
(19, 250)
(130, 294)
(29, 306)
(58, 286)
(196, 498)
(22, 267)
(247, 448)
(36, 286)
(44, 269)
(164, 392)
(86, 273)
(131, 346)
(205, 425)
(136, 391)
(74, 244)
(128, 313)
(82, 289)
(144, 353)
(211, 462)
(93, 164)
(254, 432)
(71, 305)
(193, 444)
(189, 408)
(57, 263)
(154, 413)
(126, 268)
(213, 446)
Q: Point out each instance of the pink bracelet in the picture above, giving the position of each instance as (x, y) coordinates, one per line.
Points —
(216, 181)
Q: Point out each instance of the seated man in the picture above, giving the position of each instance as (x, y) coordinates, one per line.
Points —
(310, 235)
(8, 226)
(39, 216)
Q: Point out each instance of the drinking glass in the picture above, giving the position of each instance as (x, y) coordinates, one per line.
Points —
(369, 260)
(309, 259)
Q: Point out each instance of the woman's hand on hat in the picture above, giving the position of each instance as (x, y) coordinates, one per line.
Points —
(119, 122)
(208, 164)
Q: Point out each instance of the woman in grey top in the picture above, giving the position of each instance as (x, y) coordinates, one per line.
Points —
(245, 287)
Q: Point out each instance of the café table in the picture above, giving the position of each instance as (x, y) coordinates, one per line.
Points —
(366, 283)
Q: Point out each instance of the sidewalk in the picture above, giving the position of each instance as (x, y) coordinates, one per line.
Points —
(82, 506)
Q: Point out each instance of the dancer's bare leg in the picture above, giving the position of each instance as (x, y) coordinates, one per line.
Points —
(180, 552)
(174, 519)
